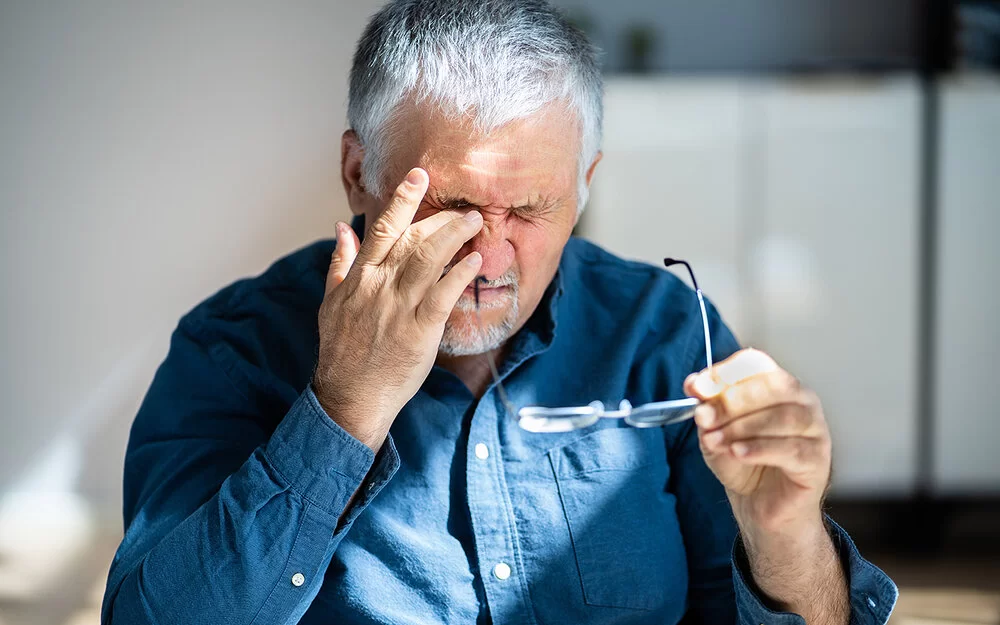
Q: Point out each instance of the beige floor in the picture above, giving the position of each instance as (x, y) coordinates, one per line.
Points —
(944, 591)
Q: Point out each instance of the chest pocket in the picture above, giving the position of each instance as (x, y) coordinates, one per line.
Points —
(622, 522)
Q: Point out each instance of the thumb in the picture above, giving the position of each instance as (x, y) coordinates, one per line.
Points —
(343, 257)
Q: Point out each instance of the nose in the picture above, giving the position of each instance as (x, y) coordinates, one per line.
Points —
(493, 243)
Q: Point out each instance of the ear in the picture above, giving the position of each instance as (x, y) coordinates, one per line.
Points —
(352, 155)
(593, 166)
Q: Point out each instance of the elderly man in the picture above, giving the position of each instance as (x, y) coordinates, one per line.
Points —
(370, 468)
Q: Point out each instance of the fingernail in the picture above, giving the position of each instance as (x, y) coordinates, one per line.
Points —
(473, 217)
(704, 415)
(740, 449)
(341, 229)
(413, 177)
(474, 258)
(713, 438)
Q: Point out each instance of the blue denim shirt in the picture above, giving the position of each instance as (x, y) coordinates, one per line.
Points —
(235, 477)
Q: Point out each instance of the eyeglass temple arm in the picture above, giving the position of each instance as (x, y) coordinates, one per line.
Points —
(669, 262)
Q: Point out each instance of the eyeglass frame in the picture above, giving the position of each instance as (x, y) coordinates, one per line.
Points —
(529, 418)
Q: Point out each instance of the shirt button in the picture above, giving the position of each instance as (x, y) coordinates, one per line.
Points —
(502, 571)
(298, 579)
(482, 451)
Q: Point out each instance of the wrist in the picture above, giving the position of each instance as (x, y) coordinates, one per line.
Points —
(803, 535)
(787, 565)
(799, 572)
(360, 424)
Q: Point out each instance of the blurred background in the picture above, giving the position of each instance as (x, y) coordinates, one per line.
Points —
(831, 168)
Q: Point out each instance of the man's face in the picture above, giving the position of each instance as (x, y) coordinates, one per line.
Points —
(522, 178)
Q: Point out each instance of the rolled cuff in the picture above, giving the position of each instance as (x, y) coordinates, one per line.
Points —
(872, 594)
(322, 462)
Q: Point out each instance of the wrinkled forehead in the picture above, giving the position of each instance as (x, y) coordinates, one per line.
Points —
(519, 162)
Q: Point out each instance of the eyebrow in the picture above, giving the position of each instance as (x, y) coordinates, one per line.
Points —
(447, 202)
(452, 202)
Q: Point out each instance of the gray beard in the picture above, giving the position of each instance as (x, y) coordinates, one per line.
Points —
(470, 338)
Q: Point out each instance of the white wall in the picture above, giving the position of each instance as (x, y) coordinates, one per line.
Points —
(150, 153)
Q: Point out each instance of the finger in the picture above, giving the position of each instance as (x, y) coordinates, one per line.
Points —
(743, 364)
(752, 394)
(442, 297)
(343, 256)
(419, 231)
(424, 266)
(783, 420)
(795, 455)
(395, 219)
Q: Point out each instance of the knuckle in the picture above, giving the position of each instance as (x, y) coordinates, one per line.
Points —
(808, 398)
(793, 384)
(789, 419)
(757, 391)
(783, 383)
(434, 308)
(735, 430)
(404, 191)
(801, 451)
(382, 229)
(424, 255)
(731, 400)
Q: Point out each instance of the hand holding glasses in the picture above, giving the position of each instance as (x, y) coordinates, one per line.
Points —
(565, 419)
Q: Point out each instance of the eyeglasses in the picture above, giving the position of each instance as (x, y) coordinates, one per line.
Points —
(565, 419)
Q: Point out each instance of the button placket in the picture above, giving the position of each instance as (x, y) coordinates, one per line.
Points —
(490, 518)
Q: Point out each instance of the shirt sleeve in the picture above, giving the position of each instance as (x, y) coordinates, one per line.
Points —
(872, 594)
(227, 522)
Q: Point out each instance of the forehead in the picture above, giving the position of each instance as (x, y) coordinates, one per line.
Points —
(517, 163)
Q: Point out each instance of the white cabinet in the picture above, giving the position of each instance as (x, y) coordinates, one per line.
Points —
(835, 263)
(797, 204)
(967, 405)
(671, 182)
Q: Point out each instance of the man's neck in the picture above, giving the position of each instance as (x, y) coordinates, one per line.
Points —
(473, 371)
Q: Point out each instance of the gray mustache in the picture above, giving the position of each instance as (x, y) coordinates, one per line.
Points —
(509, 278)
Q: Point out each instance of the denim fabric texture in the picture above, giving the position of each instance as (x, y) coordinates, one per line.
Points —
(235, 477)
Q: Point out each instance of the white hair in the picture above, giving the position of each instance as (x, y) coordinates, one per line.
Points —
(491, 61)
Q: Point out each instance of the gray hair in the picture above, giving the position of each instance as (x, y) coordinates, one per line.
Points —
(493, 61)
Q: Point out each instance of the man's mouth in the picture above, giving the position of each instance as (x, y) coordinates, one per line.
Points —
(490, 297)
(486, 291)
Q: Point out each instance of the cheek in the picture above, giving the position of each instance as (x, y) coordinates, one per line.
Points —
(537, 252)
